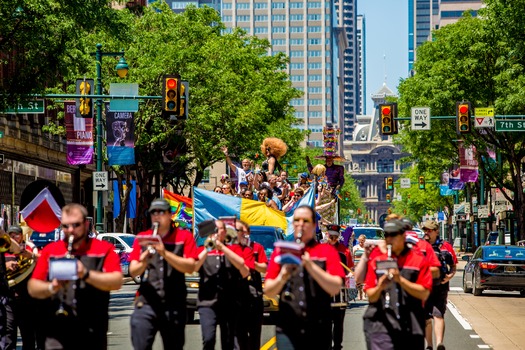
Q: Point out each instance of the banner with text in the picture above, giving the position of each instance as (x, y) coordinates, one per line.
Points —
(79, 134)
(120, 131)
(468, 164)
(454, 180)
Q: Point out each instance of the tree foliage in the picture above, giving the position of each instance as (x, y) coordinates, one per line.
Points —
(480, 60)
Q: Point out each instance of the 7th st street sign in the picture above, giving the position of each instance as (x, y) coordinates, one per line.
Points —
(510, 125)
(420, 118)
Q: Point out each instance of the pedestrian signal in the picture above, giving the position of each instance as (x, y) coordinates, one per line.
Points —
(389, 183)
(388, 198)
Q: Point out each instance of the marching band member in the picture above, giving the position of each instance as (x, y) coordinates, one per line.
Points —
(84, 270)
(306, 290)
(249, 325)
(397, 283)
(221, 268)
(160, 304)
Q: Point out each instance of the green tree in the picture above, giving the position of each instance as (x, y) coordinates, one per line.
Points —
(476, 60)
(41, 41)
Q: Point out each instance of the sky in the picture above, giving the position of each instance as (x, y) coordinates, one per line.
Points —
(386, 25)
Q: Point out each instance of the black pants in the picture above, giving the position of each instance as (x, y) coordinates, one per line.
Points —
(23, 313)
(249, 325)
(3, 322)
(146, 322)
(338, 319)
(210, 317)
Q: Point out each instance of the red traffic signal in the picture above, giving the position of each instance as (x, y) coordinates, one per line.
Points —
(388, 113)
(171, 95)
(463, 117)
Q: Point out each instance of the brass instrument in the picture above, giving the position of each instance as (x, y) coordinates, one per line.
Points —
(64, 291)
(288, 294)
(155, 233)
(5, 242)
(231, 236)
(25, 268)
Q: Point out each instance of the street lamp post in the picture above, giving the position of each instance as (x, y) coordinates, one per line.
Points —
(122, 70)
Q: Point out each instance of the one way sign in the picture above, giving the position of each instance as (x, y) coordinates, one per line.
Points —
(100, 180)
(420, 118)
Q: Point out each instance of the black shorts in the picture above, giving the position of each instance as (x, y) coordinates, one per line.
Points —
(436, 304)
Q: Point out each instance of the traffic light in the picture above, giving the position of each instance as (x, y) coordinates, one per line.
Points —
(421, 182)
(463, 117)
(184, 97)
(389, 211)
(347, 196)
(358, 211)
(389, 183)
(387, 119)
(388, 198)
(84, 104)
(171, 86)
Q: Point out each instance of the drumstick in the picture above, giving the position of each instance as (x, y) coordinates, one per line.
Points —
(345, 267)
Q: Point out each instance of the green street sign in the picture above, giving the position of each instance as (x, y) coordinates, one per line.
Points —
(510, 125)
(1, 134)
(32, 107)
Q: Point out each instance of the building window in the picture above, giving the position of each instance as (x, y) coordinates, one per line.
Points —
(243, 6)
(314, 53)
(314, 17)
(226, 18)
(315, 77)
(314, 5)
(278, 30)
(297, 102)
(226, 6)
(296, 29)
(315, 90)
(296, 17)
(315, 102)
(314, 29)
(296, 65)
(243, 18)
(299, 115)
(314, 65)
(278, 18)
(314, 41)
(296, 41)
(278, 5)
(276, 41)
(259, 5)
(297, 78)
(296, 53)
(315, 114)
(296, 5)
(261, 30)
(315, 128)
(261, 18)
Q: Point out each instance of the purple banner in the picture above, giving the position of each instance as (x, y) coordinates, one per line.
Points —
(444, 189)
(120, 130)
(468, 164)
(79, 134)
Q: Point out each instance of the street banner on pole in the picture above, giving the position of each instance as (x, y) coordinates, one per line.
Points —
(79, 133)
(454, 181)
(120, 137)
(468, 164)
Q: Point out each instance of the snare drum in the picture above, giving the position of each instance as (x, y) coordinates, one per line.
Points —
(341, 299)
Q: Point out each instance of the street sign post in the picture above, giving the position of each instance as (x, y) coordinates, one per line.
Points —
(420, 118)
(404, 182)
(100, 180)
(510, 125)
(31, 107)
(483, 211)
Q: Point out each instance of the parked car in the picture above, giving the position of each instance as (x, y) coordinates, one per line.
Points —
(123, 243)
(496, 267)
(493, 238)
(264, 235)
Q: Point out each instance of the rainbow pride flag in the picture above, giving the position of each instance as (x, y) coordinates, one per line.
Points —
(181, 207)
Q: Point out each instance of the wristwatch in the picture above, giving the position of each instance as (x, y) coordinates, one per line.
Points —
(86, 275)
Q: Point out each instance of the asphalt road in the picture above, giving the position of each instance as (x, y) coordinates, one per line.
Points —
(459, 333)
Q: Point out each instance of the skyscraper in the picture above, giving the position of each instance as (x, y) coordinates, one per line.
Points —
(427, 15)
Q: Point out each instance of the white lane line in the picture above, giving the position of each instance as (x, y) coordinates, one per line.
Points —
(456, 289)
(474, 336)
(454, 311)
(484, 346)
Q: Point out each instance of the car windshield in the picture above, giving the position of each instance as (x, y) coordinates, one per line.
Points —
(264, 239)
(128, 239)
(369, 232)
(504, 252)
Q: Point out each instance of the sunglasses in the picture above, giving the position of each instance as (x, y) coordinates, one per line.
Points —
(157, 212)
(225, 188)
(218, 191)
(427, 230)
(74, 225)
(392, 234)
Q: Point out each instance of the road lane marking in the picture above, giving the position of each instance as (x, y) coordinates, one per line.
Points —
(484, 346)
(454, 311)
(456, 289)
(268, 344)
(474, 336)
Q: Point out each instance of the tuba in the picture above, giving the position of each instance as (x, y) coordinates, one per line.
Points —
(25, 268)
(5, 242)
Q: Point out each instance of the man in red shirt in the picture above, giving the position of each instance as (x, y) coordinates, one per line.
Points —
(397, 283)
(338, 313)
(222, 269)
(306, 290)
(249, 324)
(160, 304)
(437, 302)
(84, 295)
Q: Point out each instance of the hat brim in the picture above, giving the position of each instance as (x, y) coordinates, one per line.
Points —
(333, 233)
(336, 158)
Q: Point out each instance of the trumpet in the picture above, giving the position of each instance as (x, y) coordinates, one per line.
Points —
(155, 233)
(211, 241)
